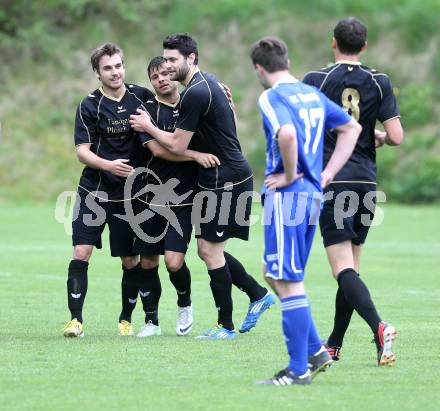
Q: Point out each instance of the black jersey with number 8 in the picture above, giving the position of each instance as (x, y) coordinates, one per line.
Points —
(367, 96)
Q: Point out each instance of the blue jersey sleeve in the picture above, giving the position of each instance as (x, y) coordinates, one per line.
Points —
(274, 112)
(335, 115)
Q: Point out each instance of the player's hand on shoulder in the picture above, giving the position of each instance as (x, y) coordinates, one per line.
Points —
(228, 93)
(207, 160)
(120, 167)
(141, 121)
(280, 180)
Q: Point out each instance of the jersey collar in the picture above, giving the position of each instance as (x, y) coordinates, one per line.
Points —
(194, 74)
(111, 97)
(352, 63)
(165, 103)
(286, 79)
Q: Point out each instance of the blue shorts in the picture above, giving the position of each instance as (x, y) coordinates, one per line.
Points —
(290, 220)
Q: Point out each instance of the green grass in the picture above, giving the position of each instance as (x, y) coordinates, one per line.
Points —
(40, 370)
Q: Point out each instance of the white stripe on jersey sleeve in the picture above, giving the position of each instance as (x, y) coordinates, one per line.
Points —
(84, 124)
(375, 81)
(269, 112)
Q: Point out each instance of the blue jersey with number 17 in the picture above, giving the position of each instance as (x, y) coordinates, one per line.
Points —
(290, 101)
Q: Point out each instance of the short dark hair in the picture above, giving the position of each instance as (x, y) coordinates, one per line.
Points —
(107, 49)
(155, 63)
(351, 35)
(271, 53)
(182, 42)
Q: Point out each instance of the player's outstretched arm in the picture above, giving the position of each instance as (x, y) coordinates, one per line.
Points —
(206, 160)
(348, 134)
(117, 167)
(176, 142)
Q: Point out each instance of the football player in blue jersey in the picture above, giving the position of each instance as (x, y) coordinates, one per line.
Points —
(295, 116)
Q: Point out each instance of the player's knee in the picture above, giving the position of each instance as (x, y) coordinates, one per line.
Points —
(147, 263)
(82, 252)
(345, 272)
(174, 261)
(130, 261)
(211, 253)
(203, 252)
(285, 289)
(210, 258)
(271, 283)
(276, 286)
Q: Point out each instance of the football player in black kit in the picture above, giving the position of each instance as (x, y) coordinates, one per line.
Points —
(367, 95)
(162, 237)
(109, 148)
(206, 119)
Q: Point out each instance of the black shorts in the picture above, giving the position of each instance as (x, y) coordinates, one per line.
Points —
(223, 213)
(160, 230)
(348, 214)
(90, 219)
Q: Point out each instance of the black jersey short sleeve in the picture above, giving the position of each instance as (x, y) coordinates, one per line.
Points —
(313, 78)
(85, 124)
(145, 138)
(193, 105)
(388, 107)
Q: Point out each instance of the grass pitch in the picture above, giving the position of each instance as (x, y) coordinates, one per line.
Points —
(41, 370)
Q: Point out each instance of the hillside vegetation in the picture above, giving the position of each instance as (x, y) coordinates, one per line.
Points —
(45, 72)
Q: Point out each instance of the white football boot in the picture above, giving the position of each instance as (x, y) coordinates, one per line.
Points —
(149, 330)
(184, 321)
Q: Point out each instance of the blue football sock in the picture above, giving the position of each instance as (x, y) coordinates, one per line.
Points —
(314, 340)
(296, 327)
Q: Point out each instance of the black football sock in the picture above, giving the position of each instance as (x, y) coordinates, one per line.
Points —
(221, 287)
(343, 313)
(150, 291)
(357, 295)
(242, 280)
(77, 288)
(181, 279)
(129, 291)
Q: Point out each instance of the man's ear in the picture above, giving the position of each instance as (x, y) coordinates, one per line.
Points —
(334, 44)
(192, 58)
(97, 75)
(365, 46)
(259, 69)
